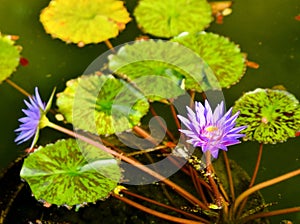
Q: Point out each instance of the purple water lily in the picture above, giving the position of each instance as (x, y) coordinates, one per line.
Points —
(211, 130)
(30, 124)
(34, 120)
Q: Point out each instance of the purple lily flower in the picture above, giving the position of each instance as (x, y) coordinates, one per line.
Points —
(211, 130)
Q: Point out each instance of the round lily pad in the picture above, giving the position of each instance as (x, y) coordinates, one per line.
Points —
(223, 56)
(171, 17)
(9, 56)
(66, 174)
(84, 22)
(161, 69)
(271, 116)
(102, 104)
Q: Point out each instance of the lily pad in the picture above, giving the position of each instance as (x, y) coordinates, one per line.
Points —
(9, 56)
(102, 104)
(171, 17)
(272, 116)
(84, 22)
(66, 174)
(223, 56)
(161, 69)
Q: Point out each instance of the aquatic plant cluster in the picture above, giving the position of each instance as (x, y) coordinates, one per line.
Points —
(110, 143)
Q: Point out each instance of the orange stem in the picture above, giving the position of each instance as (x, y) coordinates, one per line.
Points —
(156, 213)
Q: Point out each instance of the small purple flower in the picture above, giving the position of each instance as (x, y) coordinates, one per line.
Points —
(211, 130)
(34, 120)
(30, 124)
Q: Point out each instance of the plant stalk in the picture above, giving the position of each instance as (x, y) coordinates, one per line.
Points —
(133, 162)
(254, 175)
(262, 185)
(17, 87)
(156, 213)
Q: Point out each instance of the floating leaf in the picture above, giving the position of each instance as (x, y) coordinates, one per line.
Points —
(159, 69)
(171, 17)
(272, 116)
(102, 104)
(84, 22)
(9, 56)
(222, 55)
(66, 174)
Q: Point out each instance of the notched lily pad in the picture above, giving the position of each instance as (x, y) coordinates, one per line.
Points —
(9, 56)
(171, 17)
(84, 22)
(161, 68)
(271, 115)
(66, 174)
(102, 104)
(223, 56)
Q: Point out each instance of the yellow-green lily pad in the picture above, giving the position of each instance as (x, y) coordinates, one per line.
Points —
(102, 104)
(84, 22)
(65, 174)
(169, 18)
(271, 116)
(9, 56)
(223, 56)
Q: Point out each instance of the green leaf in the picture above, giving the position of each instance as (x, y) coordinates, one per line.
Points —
(84, 22)
(223, 56)
(9, 57)
(169, 18)
(66, 173)
(102, 104)
(161, 69)
(271, 116)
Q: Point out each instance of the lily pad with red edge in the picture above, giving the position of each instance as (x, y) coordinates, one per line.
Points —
(65, 173)
(169, 18)
(9, 56)
(223, 56)
(84, 22)
(102, 104)
(161, 68)
(272, 116)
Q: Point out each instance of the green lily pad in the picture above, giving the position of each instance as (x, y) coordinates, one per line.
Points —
(272, 116)
(159, 69)
(223, 56)
(102, 104)
(84, 22)
(9, 56)
(66, 174)
(171, 17)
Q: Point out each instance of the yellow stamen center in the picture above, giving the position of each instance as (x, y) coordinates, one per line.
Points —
(211, 128)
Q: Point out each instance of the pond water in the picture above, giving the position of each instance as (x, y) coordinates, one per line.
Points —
(266, 30)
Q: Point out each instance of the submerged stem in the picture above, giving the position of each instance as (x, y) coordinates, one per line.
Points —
(174, 114)
(164, 206)
(144, 134)
(231, 185)
(262, 185)
(209, 172)
(109, 45)
(171, 136)
(271, 213)
(17, 87)
(252, 181)
(133, 162)
(156, 213)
